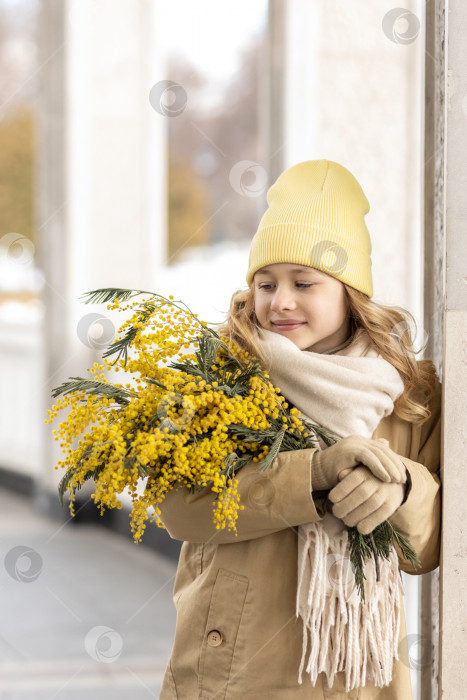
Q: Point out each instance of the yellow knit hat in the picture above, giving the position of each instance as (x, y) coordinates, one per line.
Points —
(316, 217)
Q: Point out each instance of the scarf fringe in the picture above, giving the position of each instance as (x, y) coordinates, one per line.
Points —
(340, 632)
(348, 393)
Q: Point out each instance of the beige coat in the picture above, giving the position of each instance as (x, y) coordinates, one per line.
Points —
(237, 636)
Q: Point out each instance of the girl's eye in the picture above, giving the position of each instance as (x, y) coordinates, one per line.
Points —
(301, 285)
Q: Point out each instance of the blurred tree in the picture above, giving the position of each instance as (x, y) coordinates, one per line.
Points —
(17, 146)
(235, 129)
(205, 141)
(18, 88)
(188, 209)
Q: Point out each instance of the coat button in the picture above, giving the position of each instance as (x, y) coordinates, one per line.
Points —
(214, 638)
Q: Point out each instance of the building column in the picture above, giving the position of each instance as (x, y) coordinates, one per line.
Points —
(453, 572)
(433, 312)
(271, 102)
(101, 196)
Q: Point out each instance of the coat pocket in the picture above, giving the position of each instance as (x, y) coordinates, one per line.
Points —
(220, 635)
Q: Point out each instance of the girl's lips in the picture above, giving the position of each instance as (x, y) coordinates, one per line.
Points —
(288, 325)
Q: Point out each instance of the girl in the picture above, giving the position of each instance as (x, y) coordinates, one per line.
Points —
(273, 612)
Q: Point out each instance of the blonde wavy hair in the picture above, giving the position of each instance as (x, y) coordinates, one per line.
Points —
(392, 330)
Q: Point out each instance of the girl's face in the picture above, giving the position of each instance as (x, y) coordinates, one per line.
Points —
(306, 305)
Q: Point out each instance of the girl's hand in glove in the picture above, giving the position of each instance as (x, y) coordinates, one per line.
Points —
(327, 466)
(363, 501)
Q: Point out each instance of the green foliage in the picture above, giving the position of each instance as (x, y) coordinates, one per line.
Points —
(377, 544)
(109, 294)
(92, 386)
(68, 477)
(274, 450)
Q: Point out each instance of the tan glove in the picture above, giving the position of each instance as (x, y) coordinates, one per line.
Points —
(361, 500)
(327, 465)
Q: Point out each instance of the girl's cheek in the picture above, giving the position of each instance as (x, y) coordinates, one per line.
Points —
(261, 314)
(259, 305)
(257, 310)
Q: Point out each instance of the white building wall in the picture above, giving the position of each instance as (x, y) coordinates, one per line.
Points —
(354, 88)
(22, 382)
(355, 96)
(102, 197)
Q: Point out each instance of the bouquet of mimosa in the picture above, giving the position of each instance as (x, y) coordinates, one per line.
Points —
(197, 409)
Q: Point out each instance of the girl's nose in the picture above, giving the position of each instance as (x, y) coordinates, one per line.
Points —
(283, 299)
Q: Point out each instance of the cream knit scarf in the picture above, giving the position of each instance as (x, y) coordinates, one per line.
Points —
(348, 393)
